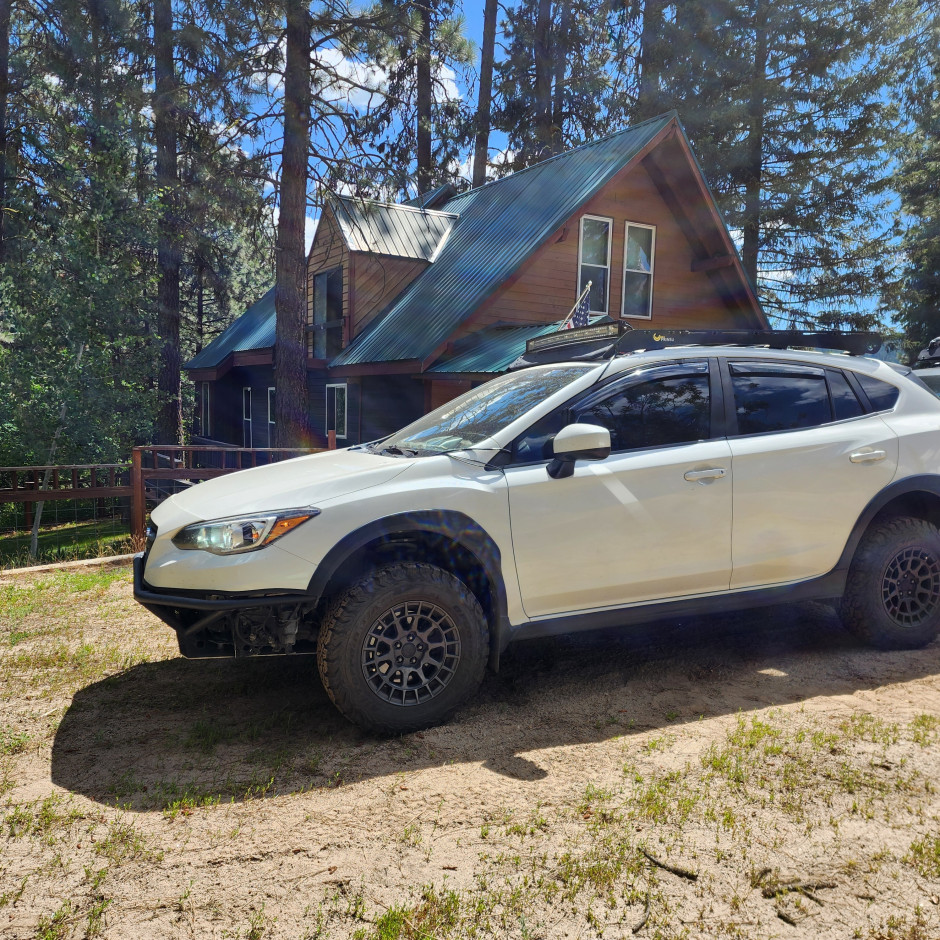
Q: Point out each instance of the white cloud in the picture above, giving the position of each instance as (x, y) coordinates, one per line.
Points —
(445, 84)
(310, 227)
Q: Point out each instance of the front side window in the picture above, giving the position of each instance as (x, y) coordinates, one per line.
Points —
(662, 411)
(779, 398)
(327, 314)
(594, 260)
(639, 249)
(336, 410)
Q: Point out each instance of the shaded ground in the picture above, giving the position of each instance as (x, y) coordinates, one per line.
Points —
(754, 776)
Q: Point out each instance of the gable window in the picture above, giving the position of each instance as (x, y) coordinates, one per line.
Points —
(328, 321)
(336, 410)
(246, 417)
(639, 248)
(594, 260)
(203, 410)
(270, 417)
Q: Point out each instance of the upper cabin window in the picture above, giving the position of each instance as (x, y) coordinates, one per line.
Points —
(327, 314)
(594, 260)
(639, 248)
(246, 417)
(203, 409)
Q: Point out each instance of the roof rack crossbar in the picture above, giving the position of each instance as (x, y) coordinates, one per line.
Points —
(608, 340)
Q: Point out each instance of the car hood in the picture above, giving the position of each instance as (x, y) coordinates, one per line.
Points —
(290, 484)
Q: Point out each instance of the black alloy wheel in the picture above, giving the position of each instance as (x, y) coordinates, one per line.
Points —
(892, 593)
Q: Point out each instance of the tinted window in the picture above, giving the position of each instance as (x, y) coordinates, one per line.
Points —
(881, 395)
(656, 413)
(779, 400)
(845, 403)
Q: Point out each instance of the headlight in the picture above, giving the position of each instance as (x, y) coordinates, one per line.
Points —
(241, 533)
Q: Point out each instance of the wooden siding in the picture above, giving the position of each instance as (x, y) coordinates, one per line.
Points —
(389, 402)
(328, 251)
(377, 280)
(545, 287)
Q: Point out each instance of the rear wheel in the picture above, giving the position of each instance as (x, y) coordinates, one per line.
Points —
(401, 649)
(892, 595)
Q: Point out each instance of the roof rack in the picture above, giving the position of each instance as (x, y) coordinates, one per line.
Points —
(607, 340)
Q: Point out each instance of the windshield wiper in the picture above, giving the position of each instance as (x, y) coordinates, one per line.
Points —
(398, 451)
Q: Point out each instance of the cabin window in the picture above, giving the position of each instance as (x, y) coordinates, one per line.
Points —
(594, 260)
(336, 410)
(638, 251)
(270, 417)
(246, 417)
(328, 314)
(203, 409)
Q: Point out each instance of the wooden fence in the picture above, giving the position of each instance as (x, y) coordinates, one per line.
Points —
(155, 472)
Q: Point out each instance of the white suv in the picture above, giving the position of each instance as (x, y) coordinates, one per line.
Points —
(570, 495)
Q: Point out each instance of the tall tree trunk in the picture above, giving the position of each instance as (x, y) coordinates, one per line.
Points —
(424, 95)
(290, 348)
(4, 95)
(481, 144)
(649, 95)
(543, 80)
(754, 153)
(165, 105)
(562, 51)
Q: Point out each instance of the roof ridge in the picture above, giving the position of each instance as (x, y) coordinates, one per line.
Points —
(557, 156)
(395, 205)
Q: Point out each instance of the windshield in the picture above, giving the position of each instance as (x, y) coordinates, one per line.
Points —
(482, 412)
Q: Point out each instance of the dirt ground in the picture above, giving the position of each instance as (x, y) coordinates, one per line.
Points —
(755, 776)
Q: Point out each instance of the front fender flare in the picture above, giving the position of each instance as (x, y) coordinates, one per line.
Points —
(452, 525)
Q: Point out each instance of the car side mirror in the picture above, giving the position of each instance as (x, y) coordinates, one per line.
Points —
(577, 442)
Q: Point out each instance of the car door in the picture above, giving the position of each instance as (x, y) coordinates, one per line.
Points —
(652, 520)
(807, 460)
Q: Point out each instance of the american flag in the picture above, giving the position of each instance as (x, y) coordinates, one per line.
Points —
(579, 313)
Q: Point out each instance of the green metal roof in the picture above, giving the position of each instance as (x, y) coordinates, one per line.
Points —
(501, 224)
(382, 229)
(254, 329)
(492, 349)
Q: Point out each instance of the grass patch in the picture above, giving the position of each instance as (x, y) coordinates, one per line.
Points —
(70, 541)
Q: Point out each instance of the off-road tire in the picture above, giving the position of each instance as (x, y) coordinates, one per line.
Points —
(892, 594)
(353, 617)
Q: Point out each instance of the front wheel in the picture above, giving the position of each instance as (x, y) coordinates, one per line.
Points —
(892, 594)
(401, 649)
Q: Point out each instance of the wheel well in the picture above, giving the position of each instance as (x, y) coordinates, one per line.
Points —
(919, 504)
(427, 547)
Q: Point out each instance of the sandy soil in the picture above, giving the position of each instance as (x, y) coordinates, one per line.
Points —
(756, 776)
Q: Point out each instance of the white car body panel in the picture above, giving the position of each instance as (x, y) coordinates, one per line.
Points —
(623, 529)
(797, 496)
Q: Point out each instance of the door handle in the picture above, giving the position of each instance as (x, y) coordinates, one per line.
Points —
(868, 456)
(700, 476)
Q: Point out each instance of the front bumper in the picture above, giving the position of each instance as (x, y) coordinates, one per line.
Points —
(192, 614)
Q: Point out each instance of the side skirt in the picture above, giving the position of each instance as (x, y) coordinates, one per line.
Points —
(828, 587)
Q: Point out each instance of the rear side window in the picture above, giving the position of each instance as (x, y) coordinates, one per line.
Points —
(772, 398)
(882, 395)
(845, 403)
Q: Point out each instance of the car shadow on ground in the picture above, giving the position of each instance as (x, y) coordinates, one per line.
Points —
(178, 733)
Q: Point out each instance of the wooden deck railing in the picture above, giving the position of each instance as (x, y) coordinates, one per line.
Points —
(155, 472)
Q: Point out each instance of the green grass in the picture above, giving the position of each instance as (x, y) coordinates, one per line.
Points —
(69, 541)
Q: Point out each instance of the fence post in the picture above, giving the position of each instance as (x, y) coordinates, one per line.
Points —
(138, 505)
(331, 440)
